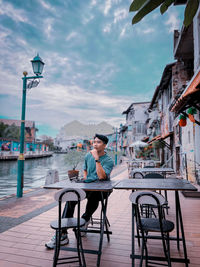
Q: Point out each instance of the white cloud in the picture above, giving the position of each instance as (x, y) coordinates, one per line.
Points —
(87, 18)
(120, 14)
(107, 28)
(74, 102)
(108, 5)
(71, 36)
(93, 2)
(48, 22)
(17, 15)
(124, 30)
(47, 5)
(172, 22)
(148, 30)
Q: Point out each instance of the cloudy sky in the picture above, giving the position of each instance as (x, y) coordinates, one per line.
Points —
(96, 62)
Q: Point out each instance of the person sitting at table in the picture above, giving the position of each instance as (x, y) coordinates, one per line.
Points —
(97, 166)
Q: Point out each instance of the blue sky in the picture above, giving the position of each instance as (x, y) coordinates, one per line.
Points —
(96, 62)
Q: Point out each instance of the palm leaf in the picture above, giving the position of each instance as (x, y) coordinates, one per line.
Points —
(147, 8)
(165, 6)
(136, 5)
(190, 11)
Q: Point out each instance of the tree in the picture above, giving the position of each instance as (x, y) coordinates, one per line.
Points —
(144, 7)
(9, 131)
(2, 129)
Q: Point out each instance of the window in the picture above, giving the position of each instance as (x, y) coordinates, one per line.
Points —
(139, 128)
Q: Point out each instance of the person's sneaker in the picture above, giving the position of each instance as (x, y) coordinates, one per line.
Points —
(84, 227)
(52, 243)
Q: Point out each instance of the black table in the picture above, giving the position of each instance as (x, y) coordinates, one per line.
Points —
(143, 171)
(160, 184)
(105, 187)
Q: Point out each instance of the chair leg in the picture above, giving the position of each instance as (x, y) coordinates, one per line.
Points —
(168, 251)
(77, 235)
(57, 249)
(80, 252)
(146, 252)
(142, 253)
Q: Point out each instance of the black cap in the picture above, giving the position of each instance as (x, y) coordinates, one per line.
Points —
(102, 138)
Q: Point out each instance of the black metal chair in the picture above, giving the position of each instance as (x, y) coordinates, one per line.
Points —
(153, 175)
(63, 224)
(149, 166)
(145, 225)
(137, 175)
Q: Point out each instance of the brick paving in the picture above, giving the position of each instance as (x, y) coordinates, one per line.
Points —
(24, 227)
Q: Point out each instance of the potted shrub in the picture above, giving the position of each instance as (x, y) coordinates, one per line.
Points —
(73, 159)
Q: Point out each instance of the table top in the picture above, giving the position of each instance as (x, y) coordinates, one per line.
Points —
(169, 170)
(105, 186)
(156, 184)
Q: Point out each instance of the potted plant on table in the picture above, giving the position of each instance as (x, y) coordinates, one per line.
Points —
(73, 159)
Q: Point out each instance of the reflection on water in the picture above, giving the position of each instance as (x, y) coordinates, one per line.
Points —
(35, 171)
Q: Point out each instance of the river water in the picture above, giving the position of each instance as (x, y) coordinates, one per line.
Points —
(35, 171)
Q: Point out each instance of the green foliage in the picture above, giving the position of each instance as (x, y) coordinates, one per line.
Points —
(137, 4)
(74, 158)
(9, 131)
(165, 6)
(190, 11)
(158, 144)
(2, 129)
(182, 117)
(144, 7)
(192, 110)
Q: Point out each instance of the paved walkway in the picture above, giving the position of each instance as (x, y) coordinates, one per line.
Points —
(24, 229)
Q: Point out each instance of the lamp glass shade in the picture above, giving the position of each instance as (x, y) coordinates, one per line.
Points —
(37, 65)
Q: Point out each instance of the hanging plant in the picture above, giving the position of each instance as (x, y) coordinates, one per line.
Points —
(182, 121)
(191, 111)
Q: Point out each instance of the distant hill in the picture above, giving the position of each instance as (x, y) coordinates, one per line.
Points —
(76, 128)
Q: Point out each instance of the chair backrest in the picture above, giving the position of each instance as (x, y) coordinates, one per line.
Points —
(137, 175)
(149, 166)
(147, 198)
(70, 194)
(153, 175)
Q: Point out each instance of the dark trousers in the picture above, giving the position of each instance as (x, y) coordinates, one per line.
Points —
(93, 199)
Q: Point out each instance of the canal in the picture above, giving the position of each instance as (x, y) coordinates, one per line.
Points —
(35, 171)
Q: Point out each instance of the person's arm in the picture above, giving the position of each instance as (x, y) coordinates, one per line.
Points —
(99, 169)
(84, 174)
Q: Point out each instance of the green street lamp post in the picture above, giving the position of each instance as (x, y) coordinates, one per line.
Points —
(37, 65)
(116, 148)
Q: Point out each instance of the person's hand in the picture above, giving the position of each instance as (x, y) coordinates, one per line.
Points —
(95, 154)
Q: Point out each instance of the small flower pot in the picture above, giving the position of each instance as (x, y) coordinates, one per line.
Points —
(73, 174)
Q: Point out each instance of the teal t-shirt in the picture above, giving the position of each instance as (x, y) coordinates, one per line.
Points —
(90, 166)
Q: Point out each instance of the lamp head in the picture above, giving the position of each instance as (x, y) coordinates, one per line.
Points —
(37, 65)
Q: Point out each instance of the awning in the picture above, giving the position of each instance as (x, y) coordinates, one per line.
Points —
(161, 139)
(156, 138)
(145, 139)
(190, 96)
(167, 135)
